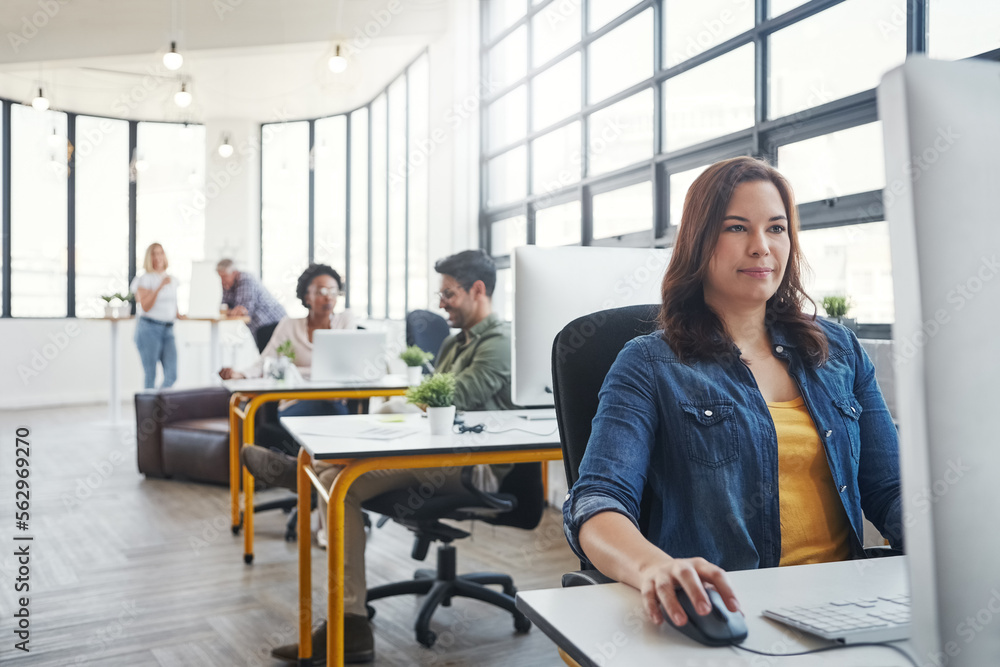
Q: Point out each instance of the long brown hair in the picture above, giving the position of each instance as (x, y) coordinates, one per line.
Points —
(690, 327)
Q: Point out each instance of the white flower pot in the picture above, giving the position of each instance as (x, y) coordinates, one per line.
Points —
(125, 310)
(109, 310)
(442, 419)
(414, 374)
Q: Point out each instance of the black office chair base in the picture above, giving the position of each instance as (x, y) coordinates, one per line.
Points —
(442, 585)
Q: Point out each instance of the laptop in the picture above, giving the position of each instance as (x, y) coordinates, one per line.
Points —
(348, 355)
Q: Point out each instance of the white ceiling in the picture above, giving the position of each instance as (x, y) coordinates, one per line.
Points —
(258, 60)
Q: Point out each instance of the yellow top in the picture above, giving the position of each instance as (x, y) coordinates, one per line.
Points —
(814, 526)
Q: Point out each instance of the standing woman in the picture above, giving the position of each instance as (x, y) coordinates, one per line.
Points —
(756, 430)
(156, 297)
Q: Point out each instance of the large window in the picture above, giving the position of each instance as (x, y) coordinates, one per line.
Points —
(366, 210)
(38, 212)
(605, 111)
(72, 229)
(170, 204)
(102, 178)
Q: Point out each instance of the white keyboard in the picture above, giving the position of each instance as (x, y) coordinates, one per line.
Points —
(873, 619)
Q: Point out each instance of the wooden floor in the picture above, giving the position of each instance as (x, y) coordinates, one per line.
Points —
(129, 571)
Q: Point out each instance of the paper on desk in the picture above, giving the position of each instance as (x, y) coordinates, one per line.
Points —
(366, 431)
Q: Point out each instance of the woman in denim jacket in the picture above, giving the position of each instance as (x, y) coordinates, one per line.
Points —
(757, 432)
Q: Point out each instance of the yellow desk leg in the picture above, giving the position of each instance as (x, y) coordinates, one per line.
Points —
(545, 482)
(305, 558)
(234, 461)
(248, 438)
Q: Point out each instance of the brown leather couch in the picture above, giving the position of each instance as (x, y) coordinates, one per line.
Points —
(183, 433)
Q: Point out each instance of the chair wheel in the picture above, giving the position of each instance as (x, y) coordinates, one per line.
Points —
(236, 530)
(371, 611)
(522, 623)
(426, 637)
(248, 558)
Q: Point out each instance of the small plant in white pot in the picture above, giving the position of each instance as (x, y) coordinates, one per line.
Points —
(125, 307)
(437, 393)
(109, 310)
(414, 358)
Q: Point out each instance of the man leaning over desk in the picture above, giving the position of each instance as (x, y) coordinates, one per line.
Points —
(479, 356)
(244, 295)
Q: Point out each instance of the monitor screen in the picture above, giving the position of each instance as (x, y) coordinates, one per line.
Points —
(554, 286)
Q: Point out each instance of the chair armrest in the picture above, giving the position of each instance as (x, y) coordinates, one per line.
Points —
(488, 500)
(585, 578)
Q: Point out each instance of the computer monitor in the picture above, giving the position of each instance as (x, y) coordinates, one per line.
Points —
(206, 290)
(554, 286)
(941, 127)
(347, 355)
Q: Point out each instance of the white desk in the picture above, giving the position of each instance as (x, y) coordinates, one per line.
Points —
(532, 441)
(605, 625)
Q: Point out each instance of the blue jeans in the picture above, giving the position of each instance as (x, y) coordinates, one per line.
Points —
(155, 341)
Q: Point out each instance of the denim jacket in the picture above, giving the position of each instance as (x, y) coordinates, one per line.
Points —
(699, 439)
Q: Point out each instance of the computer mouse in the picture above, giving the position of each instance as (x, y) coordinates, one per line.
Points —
(719, 627)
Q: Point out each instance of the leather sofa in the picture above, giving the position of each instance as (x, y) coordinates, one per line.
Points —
(183, 433)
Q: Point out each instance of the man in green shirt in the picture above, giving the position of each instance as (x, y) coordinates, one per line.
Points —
(479, 356)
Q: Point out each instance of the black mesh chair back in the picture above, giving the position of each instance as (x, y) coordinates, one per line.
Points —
(582, 354)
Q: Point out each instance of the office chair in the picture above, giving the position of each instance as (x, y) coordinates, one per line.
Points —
(518, 503)
(582, 354)
(263, 335)
(427, 331)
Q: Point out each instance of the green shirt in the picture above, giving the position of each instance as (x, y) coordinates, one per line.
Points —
(481, 364)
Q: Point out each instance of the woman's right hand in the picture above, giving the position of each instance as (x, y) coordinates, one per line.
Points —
(658, 582)
(230, 374)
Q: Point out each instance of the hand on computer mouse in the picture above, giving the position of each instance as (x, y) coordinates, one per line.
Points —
(658, 586)
(719, 627)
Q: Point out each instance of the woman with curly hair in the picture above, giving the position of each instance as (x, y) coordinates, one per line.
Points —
(318, 288)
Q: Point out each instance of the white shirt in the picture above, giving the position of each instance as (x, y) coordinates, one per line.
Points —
(165, 307)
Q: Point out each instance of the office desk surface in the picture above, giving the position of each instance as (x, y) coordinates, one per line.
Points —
(605, 625)
(269, 385)
(330, 437)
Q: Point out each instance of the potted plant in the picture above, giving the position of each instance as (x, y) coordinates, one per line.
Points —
(437, 393)
(414, 358)
(109, 310)
(280, 367)
(125, 307)
(836, 308)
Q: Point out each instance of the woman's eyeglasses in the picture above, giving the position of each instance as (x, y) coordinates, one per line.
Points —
(326, 291)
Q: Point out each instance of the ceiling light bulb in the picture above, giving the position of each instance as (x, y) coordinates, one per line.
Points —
(182, 97)
(171, 59)
(41, 103)
(225, 148)
(338, 63)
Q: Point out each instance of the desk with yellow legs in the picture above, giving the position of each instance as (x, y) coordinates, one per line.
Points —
(508, 438)
(257, 392)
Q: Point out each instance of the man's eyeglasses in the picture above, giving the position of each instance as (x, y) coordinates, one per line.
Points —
(326, 291)
(446, 294)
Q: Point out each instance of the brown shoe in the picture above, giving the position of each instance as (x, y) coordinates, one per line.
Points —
(359, 644)
(269, 466)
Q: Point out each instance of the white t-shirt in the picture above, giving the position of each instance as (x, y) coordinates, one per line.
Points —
(165, 307)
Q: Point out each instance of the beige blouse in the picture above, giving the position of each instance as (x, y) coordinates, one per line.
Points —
(297, 331)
